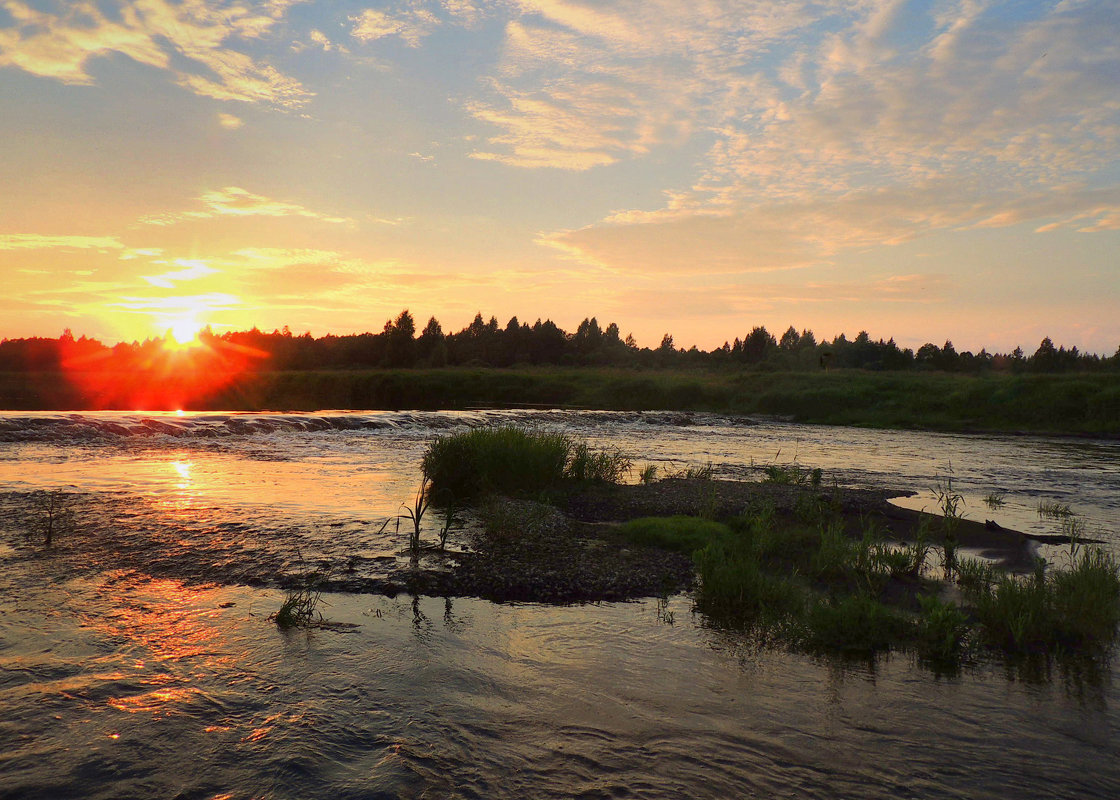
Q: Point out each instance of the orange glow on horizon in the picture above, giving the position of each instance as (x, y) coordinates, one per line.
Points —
(165, 374)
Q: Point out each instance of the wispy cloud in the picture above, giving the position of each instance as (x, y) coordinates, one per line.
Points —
(233, 201)
(410, 25)
(831, 125)
(37, 241)
(191, 39)
(191, 269)
(411, 21)
(230, 121)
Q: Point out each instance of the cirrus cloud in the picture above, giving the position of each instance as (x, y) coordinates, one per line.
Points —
(191, 39)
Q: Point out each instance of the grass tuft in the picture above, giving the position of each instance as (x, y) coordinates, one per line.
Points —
(1051, 509)
(300, 608)
(994, 500)
(793, 475)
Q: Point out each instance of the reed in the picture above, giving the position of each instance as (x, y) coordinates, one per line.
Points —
(415, 513)
(54, 514)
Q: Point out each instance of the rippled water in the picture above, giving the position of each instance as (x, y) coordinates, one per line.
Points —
(136, 658)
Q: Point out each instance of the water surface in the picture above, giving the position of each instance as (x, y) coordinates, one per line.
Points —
(137, 660)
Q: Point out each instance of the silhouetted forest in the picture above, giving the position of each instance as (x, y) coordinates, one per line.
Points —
(488, 344)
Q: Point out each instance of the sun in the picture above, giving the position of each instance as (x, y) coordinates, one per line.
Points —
(185, 332)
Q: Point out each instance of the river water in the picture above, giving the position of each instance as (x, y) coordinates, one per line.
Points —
(137, 658)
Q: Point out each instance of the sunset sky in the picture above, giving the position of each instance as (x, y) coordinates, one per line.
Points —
(922, 170)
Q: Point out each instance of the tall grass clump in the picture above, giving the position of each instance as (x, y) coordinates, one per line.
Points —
(1075, 609)
(816, 585)
(941, 632)
(1086, 598)
(738, 580)
(590, 466)
(506, 459)
(735, 586)
(793, 475)
(994, 500)
(855, 623)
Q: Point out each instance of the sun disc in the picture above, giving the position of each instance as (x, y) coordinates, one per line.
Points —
(185, 332)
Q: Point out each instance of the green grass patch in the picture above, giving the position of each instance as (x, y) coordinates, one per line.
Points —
(817, 586)
(679, 533)
(514, 461)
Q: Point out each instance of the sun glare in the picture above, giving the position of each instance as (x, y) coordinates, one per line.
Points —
(185, 332)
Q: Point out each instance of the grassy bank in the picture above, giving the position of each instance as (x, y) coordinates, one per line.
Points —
(816, 575)
(807, 581)
(1056, 403)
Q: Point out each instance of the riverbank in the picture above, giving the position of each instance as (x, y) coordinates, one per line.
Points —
(1069, 404)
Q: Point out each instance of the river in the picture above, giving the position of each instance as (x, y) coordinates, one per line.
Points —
(137, 658)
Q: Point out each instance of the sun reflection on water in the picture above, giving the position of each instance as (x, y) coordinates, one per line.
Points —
(176, 649)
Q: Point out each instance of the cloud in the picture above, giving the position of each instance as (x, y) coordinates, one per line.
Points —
(323, 42)
(36, 241)
(810, 232)
(584, 85)
(233, 201)
(410, 24)
(193, 304)
(829, 126)
(192, 269)
(190, 39)
(230, 122)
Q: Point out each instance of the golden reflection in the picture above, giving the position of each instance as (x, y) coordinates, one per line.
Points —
(172, 626)
(155, 702)
(182, 478)
(183, 468)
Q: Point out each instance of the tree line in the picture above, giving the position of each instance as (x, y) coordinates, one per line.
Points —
(489, 344)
